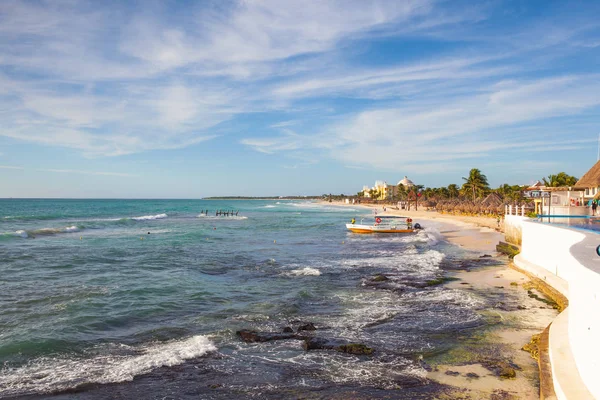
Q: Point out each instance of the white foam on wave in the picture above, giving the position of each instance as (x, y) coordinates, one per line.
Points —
(46, 231)
(221, 217)
(456, 297)
(306, 271)
(149, 217)
(410, 261)
(47, 374)
(270, 206)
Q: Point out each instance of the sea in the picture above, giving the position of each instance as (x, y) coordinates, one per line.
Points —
(143, 298)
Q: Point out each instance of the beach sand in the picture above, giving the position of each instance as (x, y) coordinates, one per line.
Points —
(471, 369)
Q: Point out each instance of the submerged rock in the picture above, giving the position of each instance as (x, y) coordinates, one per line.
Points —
(307, 327)
(355, 348)
(327, 344)
(503, 369)
(380, 278)
(249, 336)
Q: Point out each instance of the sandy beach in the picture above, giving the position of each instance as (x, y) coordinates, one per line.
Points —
(472, 369)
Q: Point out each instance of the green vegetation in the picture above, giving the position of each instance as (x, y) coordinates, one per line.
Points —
(560, 179)
(439, 281)
(533, 347)
(356, 348)
(476, 183)
(474, 188)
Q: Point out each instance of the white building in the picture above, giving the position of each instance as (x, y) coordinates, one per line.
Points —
(591, 182)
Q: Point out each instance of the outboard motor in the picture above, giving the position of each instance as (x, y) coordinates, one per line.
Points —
(418, 226)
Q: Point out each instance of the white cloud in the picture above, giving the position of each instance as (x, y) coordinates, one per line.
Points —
(110, 81)
(83, 172)
(427, 137)
(271, 145)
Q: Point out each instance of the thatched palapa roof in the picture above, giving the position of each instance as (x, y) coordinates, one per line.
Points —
(493, 199)
(591, 178)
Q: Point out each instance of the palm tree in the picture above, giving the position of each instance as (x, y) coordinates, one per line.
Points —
(453, 190)
(560, 179)
(476, 183)
(402, 191)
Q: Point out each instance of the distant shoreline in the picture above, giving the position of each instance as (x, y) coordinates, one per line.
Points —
(264, 198)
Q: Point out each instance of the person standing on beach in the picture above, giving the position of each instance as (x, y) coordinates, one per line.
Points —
(594, 206)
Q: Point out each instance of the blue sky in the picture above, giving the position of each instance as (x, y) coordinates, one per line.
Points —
(189, 99)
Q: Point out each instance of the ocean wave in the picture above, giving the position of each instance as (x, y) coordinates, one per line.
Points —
(21, 233)
(323, 207)
(221, 217)
(270, 206)
(47, 374)
(43, 231)
(306, 271)
(149, 217)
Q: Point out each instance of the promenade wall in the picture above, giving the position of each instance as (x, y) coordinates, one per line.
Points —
(566, 259)
(513, 228)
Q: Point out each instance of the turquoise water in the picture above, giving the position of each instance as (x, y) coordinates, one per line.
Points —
(584, 222)
(145, 296)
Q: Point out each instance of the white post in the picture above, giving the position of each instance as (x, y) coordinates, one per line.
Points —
(523, 210)
(510, 209)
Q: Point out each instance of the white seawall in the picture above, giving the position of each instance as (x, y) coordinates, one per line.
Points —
(566, 259)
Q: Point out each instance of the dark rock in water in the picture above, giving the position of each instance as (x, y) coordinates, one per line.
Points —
(288, 329)
(424, 365)
(472, 375)
(467, 265)
(249, 336)
(307, 327)
(380, 278)
(503, 369)
(452, 373)
(502, 395)
(521, 307)
(355, 348)
(326, 344)
(319, 344)
(507, 372)
(485, 256)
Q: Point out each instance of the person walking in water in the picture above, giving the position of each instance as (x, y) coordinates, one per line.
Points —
(594, 206)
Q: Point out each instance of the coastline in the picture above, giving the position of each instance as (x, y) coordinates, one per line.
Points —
(472, 233)
(514, 316)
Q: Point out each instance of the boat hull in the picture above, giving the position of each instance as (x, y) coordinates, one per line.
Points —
(356, 228)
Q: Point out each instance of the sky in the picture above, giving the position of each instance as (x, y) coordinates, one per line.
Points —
(189, 99)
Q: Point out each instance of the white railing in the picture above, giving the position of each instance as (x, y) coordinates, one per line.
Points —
(514, 210)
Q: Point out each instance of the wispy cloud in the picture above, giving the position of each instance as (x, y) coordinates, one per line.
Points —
(70, 171)
(474, 126)
(283, 124)
(112, 81)
(10, 167)
(83, 172)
